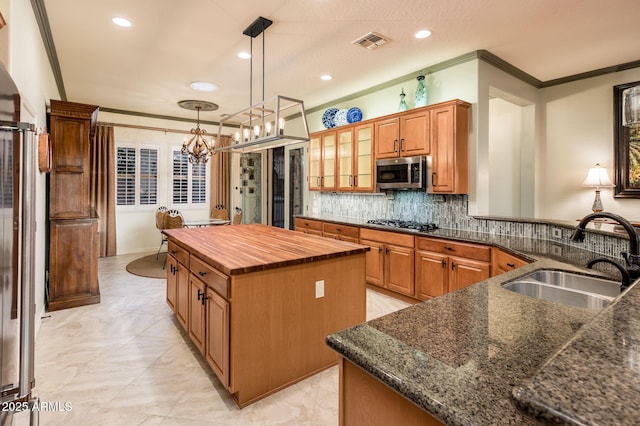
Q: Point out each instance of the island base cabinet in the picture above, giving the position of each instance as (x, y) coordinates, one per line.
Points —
(217, 336)
(279, 323)
(197, 299)
(364, 400)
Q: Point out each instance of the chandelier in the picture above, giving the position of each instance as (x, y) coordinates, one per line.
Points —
(198, 148)
(262, 125)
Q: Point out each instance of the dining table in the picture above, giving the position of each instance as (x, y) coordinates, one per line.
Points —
(196, 223)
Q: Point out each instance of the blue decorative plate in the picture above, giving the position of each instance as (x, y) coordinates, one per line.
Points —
(328, 116)
(354, 115)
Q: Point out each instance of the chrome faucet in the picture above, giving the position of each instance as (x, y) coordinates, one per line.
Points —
(632, 258)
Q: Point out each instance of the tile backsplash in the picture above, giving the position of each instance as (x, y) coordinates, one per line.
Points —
(450, 212)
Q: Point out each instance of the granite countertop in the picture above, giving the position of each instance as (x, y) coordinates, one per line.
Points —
(486, 355)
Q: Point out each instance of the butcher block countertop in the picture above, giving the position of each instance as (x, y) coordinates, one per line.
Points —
(241, 249)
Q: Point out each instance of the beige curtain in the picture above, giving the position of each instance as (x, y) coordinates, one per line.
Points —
(221, 176)
(103, 187)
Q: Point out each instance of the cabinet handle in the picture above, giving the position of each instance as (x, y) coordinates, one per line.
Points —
(433, 179)
(511, 265)
(379, 249)
(355, 181)
(449, 248)
(200, 294)
(350, 180)
(202, 273)
(395, 143)
(174, 251)
(386, 250)
(453, 266)
(204, 298)
(318, 181)
(444, 263)
(401, 144)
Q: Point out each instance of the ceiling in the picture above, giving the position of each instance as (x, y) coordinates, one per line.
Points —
(147, 68)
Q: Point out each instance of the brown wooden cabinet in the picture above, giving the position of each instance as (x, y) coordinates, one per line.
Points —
(172, 283)
(449, 148)
(355, 158)
(217, 335)
(178, 278)
(404, 134)
(341, 232)
(443, 266)
(322, 161)
(197, 310)
(308, 226)
(392, 254)
(502, 261)
(73, 225)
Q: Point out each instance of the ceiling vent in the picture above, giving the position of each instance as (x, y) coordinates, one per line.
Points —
(371, 40)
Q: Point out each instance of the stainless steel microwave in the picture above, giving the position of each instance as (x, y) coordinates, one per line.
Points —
(401, 173)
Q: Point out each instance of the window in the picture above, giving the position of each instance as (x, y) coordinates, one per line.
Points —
(189, 181)
(137, 176)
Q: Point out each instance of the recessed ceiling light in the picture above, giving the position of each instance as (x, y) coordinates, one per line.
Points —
(204, 86)
(423, 34)
(121, 22)
(326, 77)
(244, 55)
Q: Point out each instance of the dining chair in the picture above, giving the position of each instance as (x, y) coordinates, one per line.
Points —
(160, 215)
(237, 216)
(219, 212)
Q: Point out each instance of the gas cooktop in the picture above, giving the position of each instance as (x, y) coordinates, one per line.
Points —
(405, 224)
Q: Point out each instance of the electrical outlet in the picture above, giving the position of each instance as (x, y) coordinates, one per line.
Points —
(319, 289)
(556, 233)
(556, 250)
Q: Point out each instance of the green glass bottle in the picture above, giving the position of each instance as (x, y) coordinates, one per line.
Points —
(421, 92)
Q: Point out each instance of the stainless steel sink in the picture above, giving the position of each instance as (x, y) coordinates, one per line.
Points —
(567, 288)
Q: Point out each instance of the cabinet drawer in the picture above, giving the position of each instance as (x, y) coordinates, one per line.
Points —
(505, 261)
(469, 251)
(342, 230)
(181, 254)
(308, 224)
(213, 278)
(394, 238)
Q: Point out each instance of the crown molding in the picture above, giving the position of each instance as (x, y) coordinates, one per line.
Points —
(42, 19)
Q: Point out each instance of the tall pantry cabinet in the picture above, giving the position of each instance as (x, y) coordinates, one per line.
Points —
(73, 223)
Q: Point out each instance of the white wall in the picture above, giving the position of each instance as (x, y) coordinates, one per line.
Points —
(578, 134)
(26, 60)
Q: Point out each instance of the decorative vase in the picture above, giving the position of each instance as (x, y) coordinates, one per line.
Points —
(421, 92)
(403, 104)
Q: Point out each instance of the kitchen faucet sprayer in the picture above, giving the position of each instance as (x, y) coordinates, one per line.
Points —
(632, 258)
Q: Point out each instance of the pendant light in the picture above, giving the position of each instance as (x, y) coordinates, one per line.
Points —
(198, 148)
(263, 125)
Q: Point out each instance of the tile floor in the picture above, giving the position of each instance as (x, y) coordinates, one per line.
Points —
(125, 362)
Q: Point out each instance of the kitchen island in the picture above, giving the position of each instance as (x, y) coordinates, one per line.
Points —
(258, 301)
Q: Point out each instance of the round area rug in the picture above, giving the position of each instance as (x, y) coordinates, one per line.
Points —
(149, 266)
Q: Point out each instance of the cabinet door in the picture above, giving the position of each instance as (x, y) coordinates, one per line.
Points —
(197, 293)
(363, 158)
(346, 176)
(431, 275)
(414, 134)
(182, 304)
(464, 272)
(374, 262)
(172, 282)
(315, 161)
(329, 150)
(387, 134)
(217, 335)
(69, 180)
(399, 264)
(449, 149)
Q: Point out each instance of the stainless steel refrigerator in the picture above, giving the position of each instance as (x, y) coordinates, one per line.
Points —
(17, 231)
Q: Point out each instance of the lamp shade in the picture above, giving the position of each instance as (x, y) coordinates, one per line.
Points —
(597, 178)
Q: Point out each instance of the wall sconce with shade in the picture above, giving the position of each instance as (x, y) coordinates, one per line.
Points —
(262, 125)
(597, 178)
